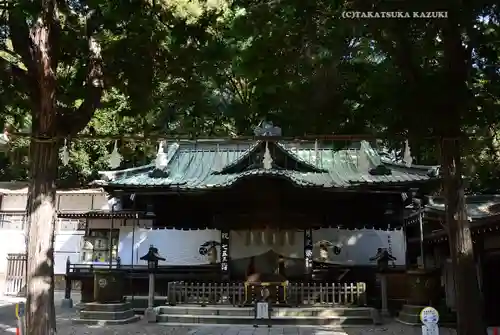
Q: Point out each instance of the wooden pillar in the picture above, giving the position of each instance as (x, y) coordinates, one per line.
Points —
(224, 254)
(478, 245)
(67, 280)
(404, 222)
(308, 248)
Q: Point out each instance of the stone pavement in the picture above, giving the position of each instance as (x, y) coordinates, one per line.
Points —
(142, 328)
(65, 326)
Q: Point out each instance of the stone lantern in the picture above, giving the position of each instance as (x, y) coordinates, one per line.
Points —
(383, 257)
(152, 258)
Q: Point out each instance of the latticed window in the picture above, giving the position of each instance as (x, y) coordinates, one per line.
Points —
(99, 245)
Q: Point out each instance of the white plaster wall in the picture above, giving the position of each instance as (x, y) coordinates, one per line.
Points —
(244, 244)
(66, 244)
(67, 239)
(179, 247)
(14, 202)
(357, 246)
(11, 242)
(65, 201)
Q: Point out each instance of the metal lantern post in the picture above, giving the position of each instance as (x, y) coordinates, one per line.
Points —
(152, 258)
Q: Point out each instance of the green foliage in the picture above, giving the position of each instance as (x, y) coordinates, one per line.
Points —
(217, 68)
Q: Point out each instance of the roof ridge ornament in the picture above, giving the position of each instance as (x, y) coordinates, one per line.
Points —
(316, 153)
(266, 128)
(161, 161)
(115, 158)
(407, 159)
(363, 159)
(267, 161)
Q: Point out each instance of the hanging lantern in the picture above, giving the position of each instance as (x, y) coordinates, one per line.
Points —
(64, 154)
(115, 159)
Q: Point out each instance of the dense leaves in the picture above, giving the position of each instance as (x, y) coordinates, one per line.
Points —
(217, 68)
(199, 70)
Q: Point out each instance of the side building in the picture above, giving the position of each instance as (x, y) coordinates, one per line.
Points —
(484, 216)
(69, 231)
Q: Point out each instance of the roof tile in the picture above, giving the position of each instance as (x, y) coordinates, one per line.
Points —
(192, 167)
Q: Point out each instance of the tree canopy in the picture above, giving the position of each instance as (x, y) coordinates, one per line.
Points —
(216, 68)
(206, 70)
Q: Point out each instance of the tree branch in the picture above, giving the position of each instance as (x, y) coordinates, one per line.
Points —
(20, 37)
(8, 62)
(70, 121)
(55, 34)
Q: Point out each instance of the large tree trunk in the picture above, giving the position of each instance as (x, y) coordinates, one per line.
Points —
(468, 295)
(41, 223)
(36, 38)
(41, 209)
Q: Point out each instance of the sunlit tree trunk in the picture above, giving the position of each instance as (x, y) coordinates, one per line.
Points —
(43, 156)
(41, 223)
(35, 36)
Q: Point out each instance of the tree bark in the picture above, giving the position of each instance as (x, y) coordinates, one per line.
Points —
(41, 213)
(41, 206)
(36, 39)
(469, 302)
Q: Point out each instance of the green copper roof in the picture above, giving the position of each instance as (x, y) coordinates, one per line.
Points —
(192, 166)
(480, 206)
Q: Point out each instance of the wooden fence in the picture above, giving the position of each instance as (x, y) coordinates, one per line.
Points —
(237, 294)
(15, 277)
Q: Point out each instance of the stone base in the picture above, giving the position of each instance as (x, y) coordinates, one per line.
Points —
(306, 316)
(410, 315)
(150, 315)
(132, 319)
(95, 313)
(67, 303)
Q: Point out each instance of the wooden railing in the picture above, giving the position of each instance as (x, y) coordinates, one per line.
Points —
(206, 293)
(237, 294)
